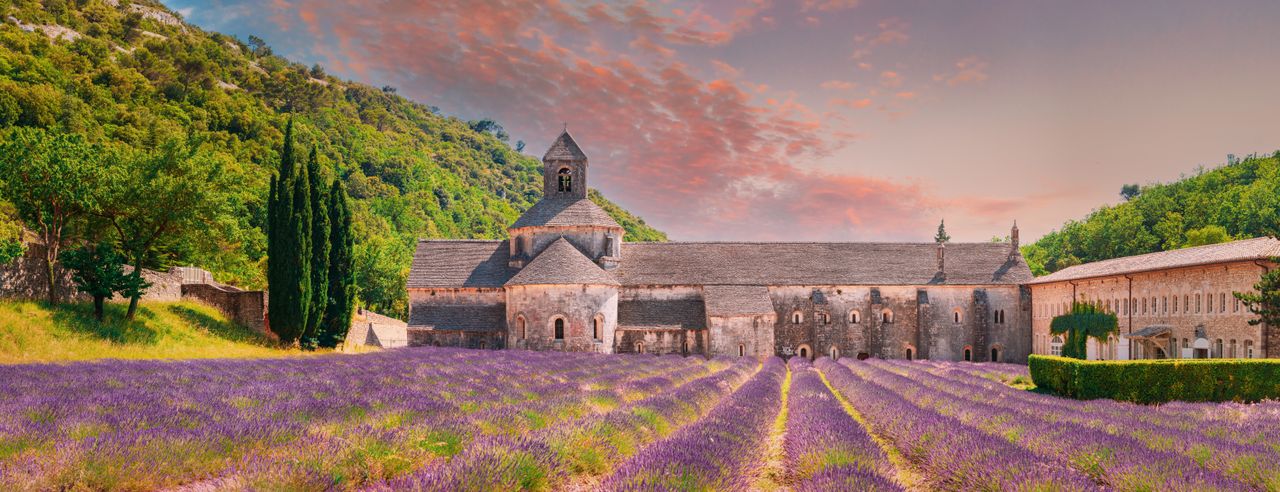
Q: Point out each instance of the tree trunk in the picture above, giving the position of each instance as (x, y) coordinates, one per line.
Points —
(133, 300)
(48, 268)
(98, 302)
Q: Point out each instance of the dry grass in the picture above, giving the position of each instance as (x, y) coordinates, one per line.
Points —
(35, 332)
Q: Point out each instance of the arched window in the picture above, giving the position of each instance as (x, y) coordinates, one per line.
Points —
(1208, 304)
(520, 326)
(855, 317)
(639, 347)
(484, 345)
(968, 354)
(804, 352)
(1232, 352)
(1248, 349)
(742, 350)
(1175, 304)
(797, 317)
(835, 353)
(1197, 303)
(1002, 316)
(685, 349)
(559, 328)
(565, 177)
(1222, 302)
(1217, 346)
(956, 317)
(597, 326)
(886, 316)
(824, 318)
(1055, 345)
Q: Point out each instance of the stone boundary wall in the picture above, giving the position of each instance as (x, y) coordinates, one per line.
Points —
(26, 278)
(244, 307)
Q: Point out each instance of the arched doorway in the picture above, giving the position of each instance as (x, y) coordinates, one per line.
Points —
(995, 354)
(805, 352)
(911, 354)
(968, 354)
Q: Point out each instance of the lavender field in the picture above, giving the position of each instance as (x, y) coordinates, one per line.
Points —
(449, 419)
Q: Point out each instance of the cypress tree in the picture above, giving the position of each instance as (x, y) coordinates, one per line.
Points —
(319, 248)
(280, 237)
(337, 318)
(297, 255)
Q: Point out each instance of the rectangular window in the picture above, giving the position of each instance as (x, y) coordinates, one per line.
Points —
(1197, 303)
(1208, 303)
(1144, 305)
(1222, 302)
(1186, 303)
(1235, 307)
(1175, 304)
(1164, 304)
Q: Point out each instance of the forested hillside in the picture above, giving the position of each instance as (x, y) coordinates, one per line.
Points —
(131, 76)
(1236, 201)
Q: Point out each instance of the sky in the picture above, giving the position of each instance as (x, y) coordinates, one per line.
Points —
(823, 120)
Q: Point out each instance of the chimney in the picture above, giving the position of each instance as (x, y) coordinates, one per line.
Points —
(942, 259)
(1013, 240)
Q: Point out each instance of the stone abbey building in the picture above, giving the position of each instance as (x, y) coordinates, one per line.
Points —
(566, 280)
(1170, 304)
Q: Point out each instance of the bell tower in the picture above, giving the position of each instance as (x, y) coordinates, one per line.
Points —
(564, 169)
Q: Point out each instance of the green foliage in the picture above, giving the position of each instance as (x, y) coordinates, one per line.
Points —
(52, 181)
(10, 235)
(337, 319)
(1158, 381)
(98, 270)
(1265, 302)
(941, 236)
(1085, 321)
(1210, 234)
(410, 172)
(1237, 201)
(319, 247)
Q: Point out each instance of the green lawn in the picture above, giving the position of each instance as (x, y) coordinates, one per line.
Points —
(35, 332)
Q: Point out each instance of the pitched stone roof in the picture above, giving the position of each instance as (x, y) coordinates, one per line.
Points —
(562, 264)
(675, 314)
(676, 263)
(565, 212)
(458, 317)
(1244, 250)
(452, 263)
(737, 300)
(1151, 331)
(564, 149)
(484, 264)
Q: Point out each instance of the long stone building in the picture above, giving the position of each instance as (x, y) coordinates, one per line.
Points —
(566, 280)
(1171, 304)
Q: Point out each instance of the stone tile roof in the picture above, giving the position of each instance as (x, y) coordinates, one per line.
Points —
(679, 314)
(562, 264)
(452, 263)
(486, 318)
(484, 264)
(367, 316)
(1243, 250)
(677, 263)
(565, 211)
(564, 149)
(737, 300)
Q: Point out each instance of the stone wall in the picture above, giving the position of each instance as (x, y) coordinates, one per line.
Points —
(247, 308)
(682, 342)
(1180, 298)
(26, 278)
(742, 336)
(897, 322)
(532, 311)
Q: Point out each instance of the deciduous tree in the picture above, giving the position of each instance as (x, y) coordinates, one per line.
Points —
(50, 178)
(98, 270)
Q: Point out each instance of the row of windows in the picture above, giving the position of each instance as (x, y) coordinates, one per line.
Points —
(886, 316)
(1154, 305)
(558, 326)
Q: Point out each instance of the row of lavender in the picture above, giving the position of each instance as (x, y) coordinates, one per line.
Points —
(1122, 445)
(313, 423)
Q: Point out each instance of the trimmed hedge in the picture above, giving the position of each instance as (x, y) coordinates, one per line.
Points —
(1158, 381)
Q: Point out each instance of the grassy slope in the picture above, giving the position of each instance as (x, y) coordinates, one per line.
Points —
(33, 332)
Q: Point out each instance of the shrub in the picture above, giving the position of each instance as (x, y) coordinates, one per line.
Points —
(1158, 381)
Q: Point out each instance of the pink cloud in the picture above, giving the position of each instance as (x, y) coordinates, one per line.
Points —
(694, 151)
(827, 5)
(838, 85)
(969, 70)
